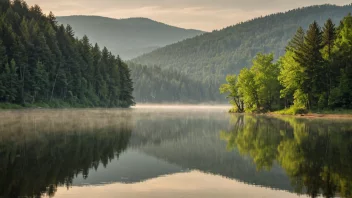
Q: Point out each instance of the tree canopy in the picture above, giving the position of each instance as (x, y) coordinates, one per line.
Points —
(313, 74)
(210, 57)
(43, 62)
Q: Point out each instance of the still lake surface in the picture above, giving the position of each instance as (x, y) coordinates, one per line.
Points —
(172, 151)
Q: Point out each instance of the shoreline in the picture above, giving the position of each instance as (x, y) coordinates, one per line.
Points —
(327, 115)
(314, 116)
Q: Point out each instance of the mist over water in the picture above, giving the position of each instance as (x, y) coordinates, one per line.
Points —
(182, 107)
(171, 151)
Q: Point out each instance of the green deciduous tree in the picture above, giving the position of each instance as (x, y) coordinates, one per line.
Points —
(258, 87)
(315, 72)
(231, 88)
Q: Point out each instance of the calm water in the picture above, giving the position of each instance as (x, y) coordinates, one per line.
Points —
(172, 152)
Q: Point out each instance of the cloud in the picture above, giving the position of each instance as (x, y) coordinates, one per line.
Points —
(196, 14)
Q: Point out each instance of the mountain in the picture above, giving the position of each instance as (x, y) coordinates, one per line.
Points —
(211, 56)
(128, 38)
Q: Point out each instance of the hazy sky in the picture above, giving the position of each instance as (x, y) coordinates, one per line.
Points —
(197, 14)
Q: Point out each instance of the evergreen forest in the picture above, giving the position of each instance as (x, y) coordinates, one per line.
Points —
(44, 64)
(157, 85)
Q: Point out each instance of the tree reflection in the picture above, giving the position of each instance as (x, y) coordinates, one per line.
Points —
(35, 162)
(316, 154)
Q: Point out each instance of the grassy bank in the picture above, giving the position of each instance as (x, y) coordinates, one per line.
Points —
(56, 104)
(300, 111)
(339, 113)
(10, 106)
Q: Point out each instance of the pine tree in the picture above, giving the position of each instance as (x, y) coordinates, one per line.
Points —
(19, 54)
(41, 82)
(3, 56)
(3, 63)
(87, 57)
(52, 19)
(48, 64)
(36, 12)
(12, 82)
(297, 42)
(128, 97)
(70, 31)
(311, 60)
(96, 63)
(329, 36)
(4, 5)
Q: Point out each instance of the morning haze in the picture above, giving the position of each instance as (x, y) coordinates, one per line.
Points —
(95, 106)
(205, 15)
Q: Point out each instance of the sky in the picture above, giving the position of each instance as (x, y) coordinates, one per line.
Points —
(204, 15)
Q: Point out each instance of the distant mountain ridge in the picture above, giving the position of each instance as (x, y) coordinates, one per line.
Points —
(130, 37)
(204, 58)
(211, 56)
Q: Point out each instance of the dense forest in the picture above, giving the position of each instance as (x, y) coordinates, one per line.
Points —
(137, 35)
(43, 63)
(156, 85)
(315, 73)
(208, 58)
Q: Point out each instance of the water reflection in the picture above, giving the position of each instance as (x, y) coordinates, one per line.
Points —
(186, 185)
(41, 151)
(145, 152)
(315, 154)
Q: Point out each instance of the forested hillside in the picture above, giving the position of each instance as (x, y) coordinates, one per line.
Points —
(156, 85)
(210, 57)
(127, 37)
(43, 62)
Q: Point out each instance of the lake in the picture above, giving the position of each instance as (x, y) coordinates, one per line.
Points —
(172, 151)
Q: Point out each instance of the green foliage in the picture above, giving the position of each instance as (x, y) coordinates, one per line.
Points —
(209, 58)
(329, 36)
(41, 62)
(153, 84)
(315, 154)
(342, 65)
(293, 110)
(314, 74)
(10, 106)
(291, 75)
(300, 99)
(265, 78)
(255, 89)
(310, 58)
(231, 88)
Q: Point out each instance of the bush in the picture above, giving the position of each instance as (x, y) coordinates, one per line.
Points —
(293, 110)
(233, 110)
(10, 106)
